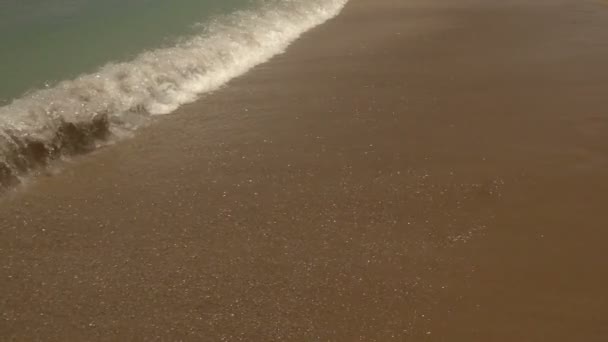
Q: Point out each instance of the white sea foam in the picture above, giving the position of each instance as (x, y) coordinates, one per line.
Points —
(75, 115)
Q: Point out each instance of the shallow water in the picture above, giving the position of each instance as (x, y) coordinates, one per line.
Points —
(46, 41)
(109, 67)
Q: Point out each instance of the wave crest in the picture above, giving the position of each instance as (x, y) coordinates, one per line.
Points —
(75, 116)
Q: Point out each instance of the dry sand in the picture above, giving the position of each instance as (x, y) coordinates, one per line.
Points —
(412, 170)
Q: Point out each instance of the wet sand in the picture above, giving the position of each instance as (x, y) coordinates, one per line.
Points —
(411, 170)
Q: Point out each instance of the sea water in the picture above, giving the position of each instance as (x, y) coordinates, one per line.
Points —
(76, 73)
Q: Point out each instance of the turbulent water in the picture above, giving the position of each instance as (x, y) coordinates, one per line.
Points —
(178, 51)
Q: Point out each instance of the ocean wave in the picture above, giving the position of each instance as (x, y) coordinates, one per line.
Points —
(78, 115)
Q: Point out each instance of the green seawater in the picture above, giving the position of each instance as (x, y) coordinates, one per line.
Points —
(45, 41)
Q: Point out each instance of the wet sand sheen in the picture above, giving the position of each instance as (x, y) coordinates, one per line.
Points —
(411, 170)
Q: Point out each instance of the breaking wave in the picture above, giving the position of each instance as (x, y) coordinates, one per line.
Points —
(78, 115)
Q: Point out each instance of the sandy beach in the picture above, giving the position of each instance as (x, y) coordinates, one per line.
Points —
(409, 171)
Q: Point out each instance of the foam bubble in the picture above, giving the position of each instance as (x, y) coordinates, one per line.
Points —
(75, 115)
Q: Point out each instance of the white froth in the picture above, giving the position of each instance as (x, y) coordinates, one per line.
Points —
(158, 82)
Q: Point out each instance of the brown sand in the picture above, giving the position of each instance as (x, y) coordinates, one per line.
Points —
(412, 170)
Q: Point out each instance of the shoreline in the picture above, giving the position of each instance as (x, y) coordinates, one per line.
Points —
(399, 172)
(78, 115)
